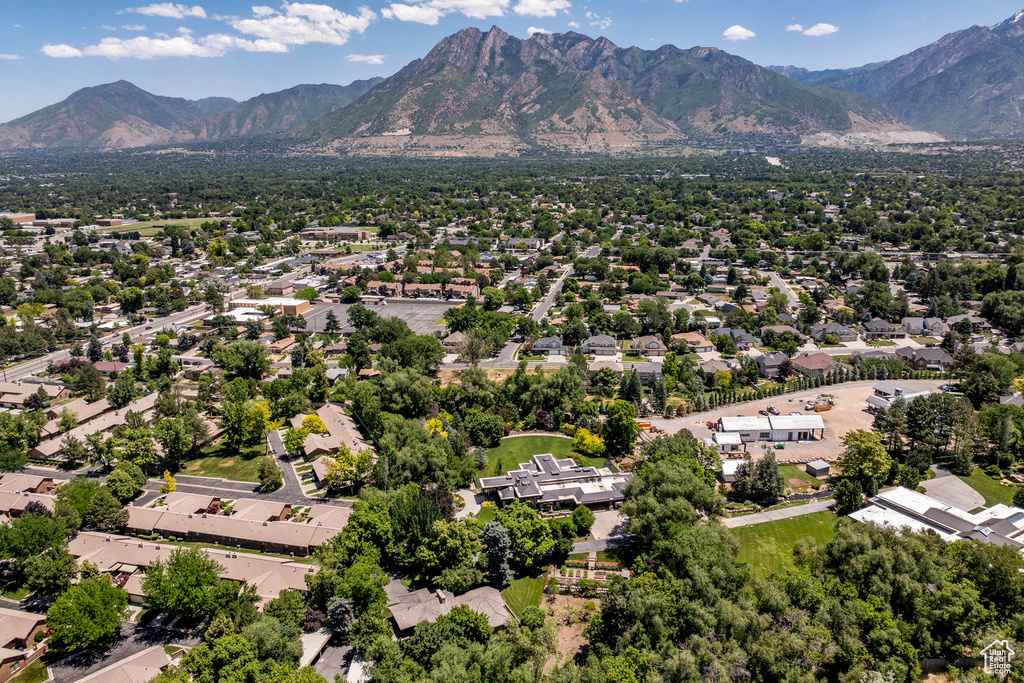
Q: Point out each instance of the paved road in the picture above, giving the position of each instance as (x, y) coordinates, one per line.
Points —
(549, 300)
(603, 544)
(132, 640)
(775, 515)
(794, 300)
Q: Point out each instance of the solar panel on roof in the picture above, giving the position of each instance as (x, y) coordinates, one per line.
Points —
(1015, 517)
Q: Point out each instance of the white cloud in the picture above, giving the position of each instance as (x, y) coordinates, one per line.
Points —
(541, 8)
(421, 14)
(263, 11)
(432, 11)
(794, 27)
(144, 47)
(534, 29)
(574, 24)
(737, 32)
(134, 27)
(108, 27)
(169, 10)
(366, 59)
(602, 23)
(9, 57)
(61, 51)
(302, 23)
(821, 30)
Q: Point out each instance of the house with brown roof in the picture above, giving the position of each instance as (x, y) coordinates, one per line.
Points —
(341, 431)
(18, 647)
(140, 667)
(419, 289)
(415, 607)
(381, 288)
(463, 291)
(814, 365)
(692, 342)
(649, 346)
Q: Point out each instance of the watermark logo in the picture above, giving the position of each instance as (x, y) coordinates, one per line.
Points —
(997, 657)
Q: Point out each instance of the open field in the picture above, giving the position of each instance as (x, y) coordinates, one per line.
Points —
(519, 449)
(523, 593)
(797, 472)
(155, 225)
(992, 490)
(769, 546)
(221, 461)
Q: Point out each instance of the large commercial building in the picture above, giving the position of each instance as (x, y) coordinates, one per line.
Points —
(775, 428)
(282, 304)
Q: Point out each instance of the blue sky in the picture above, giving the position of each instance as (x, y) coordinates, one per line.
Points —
(201, 48)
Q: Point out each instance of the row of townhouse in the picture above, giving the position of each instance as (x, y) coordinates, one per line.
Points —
(456, 290)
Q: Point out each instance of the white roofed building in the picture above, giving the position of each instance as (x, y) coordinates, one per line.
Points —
(774, 428)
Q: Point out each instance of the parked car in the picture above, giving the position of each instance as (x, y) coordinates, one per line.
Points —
(763, 412)
(773, 410)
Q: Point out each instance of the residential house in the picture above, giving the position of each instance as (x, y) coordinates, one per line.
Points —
(815, 365)
(426, 605)
(381, 288)
(549, 345)
(649, 345)
(710, 367)
(770, 364)
(279, 288)
(925, 359)
(779, 330)
(452, 341)
(977, 324)
(692, 342)
(140, 667)
(599, 345)
(913, 326)
(422, 290)
(887, 392)
(935, 327)
(550, 483)
(744, 340)
(341, 431)
(844, 333)
(646, 371)
(18, 632)
(876, 328)
(108, 367)
(463, 291)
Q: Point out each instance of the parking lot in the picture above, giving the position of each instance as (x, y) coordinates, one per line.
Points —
(850, 413)
(419, 316)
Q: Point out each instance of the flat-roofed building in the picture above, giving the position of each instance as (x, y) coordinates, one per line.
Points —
(775, 428)
(550, 483)
(282, 304)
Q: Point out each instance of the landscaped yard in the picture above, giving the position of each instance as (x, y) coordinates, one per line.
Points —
(523, 593)
(33, 673)
(769, 546)
(881, 342)
(15, 592)
(221, 461)
(927, 340)
(797, 472)
(519, 449)
(993, 491)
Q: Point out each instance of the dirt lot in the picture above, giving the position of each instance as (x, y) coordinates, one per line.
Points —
(569, 615)
(850, 412)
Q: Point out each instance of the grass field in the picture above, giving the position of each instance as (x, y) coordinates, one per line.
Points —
(520, 449)
(795, 472)
(881, 342)
(927, 340)
(221, 461)
(769, 546)
(993, 491)
(33, 673)
(145, 227)
(523, 593)
(488, 514)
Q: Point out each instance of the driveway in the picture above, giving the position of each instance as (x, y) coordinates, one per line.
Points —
(473, 501)
(609, 524)
(775, 515)
(952, 490)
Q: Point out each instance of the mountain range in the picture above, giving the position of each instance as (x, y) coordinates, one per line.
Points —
(121, 115)
(968, 84)
(488, 93)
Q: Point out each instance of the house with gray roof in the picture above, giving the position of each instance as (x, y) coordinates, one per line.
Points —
(769, 364)
(550, 483)
(549, 345)
(599, 345)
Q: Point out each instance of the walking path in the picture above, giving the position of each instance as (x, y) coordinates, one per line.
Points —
(775, 515)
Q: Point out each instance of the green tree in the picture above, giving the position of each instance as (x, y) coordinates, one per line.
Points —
(848, 496)
(105, 512)
(620, 429)
(182, 583)
(530, 536)
(864, 456)
(50, 572)
(88, 615)
(122, 486)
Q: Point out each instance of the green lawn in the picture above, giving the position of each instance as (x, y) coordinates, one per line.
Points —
(221, 461)
(633, 358)
(993, 491)
(523, 593)
(488, 514)
(881, 342)
(152, 227)
(927, 340)
(33, 673)
(769, 546)
(15, 592)
(520, 449)
(171, 649)
(796, 472)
